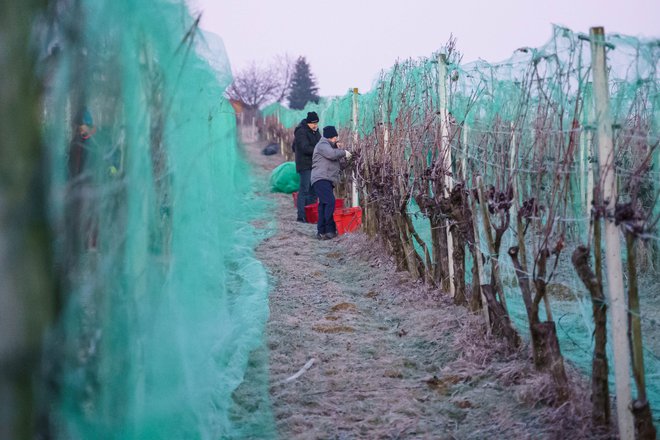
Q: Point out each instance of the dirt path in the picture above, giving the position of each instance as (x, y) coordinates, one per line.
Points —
(389, 358)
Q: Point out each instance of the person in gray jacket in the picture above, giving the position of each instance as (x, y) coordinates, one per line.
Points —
(325, 175)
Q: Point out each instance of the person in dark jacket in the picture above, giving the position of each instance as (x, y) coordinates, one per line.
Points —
(83, 130)
(325, 175)
(306, 136)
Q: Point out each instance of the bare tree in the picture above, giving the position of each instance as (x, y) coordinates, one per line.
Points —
(284, 67)
(257, 85)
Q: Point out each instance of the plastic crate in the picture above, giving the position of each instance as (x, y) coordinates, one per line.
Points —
(312, 211)
(348, 219)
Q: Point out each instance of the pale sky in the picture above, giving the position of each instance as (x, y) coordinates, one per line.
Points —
(348, 42)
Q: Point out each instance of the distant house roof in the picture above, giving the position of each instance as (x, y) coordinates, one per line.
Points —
(238, 105)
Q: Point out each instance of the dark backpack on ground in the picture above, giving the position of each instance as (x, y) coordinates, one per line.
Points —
(270, 149)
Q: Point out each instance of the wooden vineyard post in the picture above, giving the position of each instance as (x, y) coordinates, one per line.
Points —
(386, 131)
(445, 150)
(583, 156)
(615, 297)
(464, 160)
(515, 207)
(354, 191)
(586, 142)
(265, 125)
(479, 262)
(513, 160)
(279, 123)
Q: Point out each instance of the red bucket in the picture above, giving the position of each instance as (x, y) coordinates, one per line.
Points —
(348, 219)
(312, 213)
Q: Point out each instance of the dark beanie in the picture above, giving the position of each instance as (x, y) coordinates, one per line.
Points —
(330, 131)
(84, 117)
(312, 117)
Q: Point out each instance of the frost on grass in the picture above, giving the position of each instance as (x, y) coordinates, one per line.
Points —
(393, 357)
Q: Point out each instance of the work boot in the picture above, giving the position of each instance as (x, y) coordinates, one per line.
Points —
(330, 235)
(320, 236)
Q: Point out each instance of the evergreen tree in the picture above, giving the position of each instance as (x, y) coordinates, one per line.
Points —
(303, 86)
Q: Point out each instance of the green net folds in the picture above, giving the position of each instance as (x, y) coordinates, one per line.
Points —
(162, 298)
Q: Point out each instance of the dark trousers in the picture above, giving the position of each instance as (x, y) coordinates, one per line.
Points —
(323, 189)
(306, 195)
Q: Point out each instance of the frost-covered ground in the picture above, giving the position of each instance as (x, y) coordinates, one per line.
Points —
(391, 358)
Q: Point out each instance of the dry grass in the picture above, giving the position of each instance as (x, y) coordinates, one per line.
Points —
(398, 359)
(344, 307)
(333, 329)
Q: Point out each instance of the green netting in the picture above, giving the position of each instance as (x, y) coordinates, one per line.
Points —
(526, 124)
(163, 298)
(284, 178)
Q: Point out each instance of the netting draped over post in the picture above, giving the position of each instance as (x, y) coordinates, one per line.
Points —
(163, 300)
(526, 127)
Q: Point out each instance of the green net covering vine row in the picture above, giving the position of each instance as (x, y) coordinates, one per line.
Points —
(527, 127)
(162, 298)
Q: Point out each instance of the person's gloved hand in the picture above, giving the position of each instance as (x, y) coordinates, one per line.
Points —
(348, 154)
